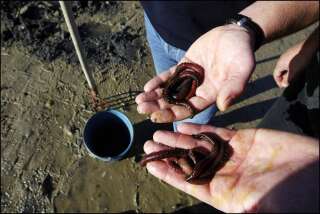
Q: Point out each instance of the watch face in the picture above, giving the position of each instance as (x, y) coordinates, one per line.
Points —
(242, 21)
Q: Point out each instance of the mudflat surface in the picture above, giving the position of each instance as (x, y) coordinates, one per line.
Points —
(45, 105)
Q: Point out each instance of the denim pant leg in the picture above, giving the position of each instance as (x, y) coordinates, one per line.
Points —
(162, 62)
(165, 56)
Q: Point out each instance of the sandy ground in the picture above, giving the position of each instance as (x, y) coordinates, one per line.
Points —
(44, 107)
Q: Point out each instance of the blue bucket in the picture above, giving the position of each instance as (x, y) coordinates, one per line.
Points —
(108, 135)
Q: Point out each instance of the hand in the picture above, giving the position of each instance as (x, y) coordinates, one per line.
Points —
(261, 159)
(226, 54)
(295, 60)
(290, 64)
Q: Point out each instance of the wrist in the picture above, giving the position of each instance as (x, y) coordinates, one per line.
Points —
(256, 33)
(302, 148)
(237, 29)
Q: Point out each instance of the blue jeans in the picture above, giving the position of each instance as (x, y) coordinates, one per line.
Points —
(165, 56)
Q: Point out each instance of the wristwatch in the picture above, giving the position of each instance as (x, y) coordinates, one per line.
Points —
(247, 23)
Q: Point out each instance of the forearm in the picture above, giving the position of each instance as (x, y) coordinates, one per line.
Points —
(297, 193)
(291, 147)
(280, 18)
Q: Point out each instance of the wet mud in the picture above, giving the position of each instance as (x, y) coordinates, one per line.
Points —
(45, 105)
(38, 26)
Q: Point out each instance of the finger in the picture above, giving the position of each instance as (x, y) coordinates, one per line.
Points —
(208, 91)
(154, 96)
(225, 134)
(151, 146)
(149, 96)
(290, 76)
(190, 128)
(277, 78)
(171, 114)
(162, 116)
(148, 107)
(231, 90)
(158, 80)
(199, 103)
(164, 104)
(150, 102)
(281, 70)
(284, 79)
(167, 174)
(173, 139)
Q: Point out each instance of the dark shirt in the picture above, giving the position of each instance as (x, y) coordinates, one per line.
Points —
(180, 23)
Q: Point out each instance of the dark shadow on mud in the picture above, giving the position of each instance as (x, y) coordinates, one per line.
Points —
(197, 208)
(144, 131)
(258, 86)
(250, 112)
(267, 59)
(244, 114)
(123, 100)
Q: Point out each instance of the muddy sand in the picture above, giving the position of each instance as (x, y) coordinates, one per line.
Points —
(45, 105)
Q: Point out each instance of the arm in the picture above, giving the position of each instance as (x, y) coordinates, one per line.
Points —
(280, 18)
(226, 53)
(299, 193)
(296, 185)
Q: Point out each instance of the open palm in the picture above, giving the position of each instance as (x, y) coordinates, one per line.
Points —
(227, 57)
(259, 162)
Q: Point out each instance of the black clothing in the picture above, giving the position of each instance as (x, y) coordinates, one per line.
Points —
(297, 110)
(180, 23)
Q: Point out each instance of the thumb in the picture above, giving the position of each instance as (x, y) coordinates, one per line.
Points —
(230, 91)
(281, 78)
(280, 73)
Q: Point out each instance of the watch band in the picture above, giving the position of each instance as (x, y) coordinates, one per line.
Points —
(246, 22)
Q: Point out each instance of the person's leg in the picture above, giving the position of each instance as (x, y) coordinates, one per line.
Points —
(161, 59)
(165, 56)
